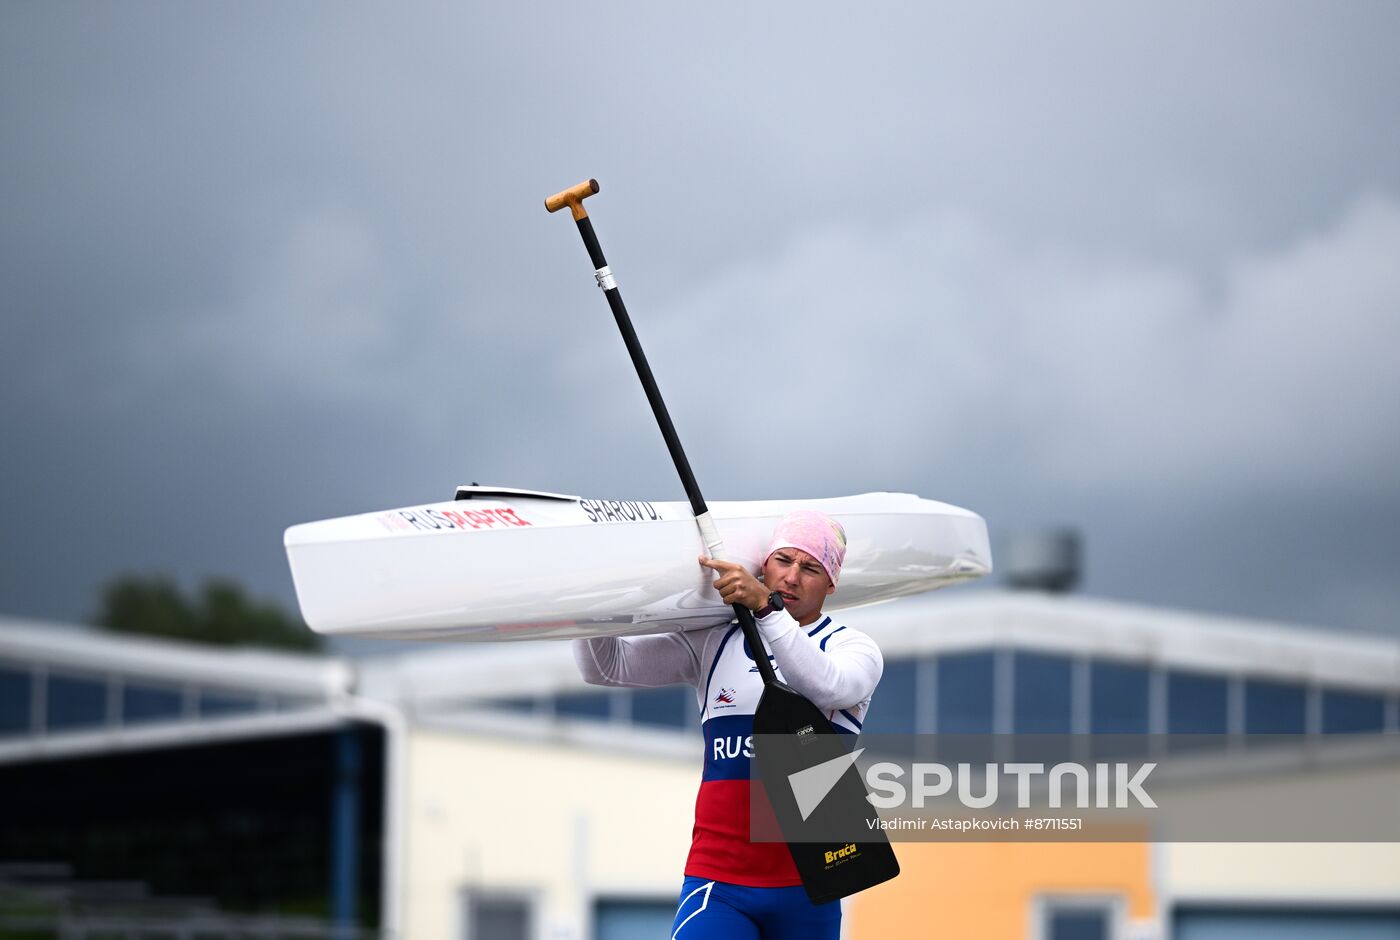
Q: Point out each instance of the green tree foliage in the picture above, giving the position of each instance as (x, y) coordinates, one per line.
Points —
(220, 614)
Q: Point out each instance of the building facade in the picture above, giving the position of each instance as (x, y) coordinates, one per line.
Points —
(485, 791)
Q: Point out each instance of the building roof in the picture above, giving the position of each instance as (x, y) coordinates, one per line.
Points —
(932, 624)
(90, 650)
(437, 675)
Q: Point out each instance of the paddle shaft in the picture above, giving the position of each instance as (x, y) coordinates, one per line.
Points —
(573, 198)
(781, 709)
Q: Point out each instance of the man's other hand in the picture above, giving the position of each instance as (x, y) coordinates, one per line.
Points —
(736, 585)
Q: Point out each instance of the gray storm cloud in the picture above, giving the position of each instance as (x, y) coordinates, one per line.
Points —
(1103, 368)
(1121, 267)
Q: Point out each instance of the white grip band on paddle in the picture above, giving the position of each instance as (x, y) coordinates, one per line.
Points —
(709, 534)
(605, 278)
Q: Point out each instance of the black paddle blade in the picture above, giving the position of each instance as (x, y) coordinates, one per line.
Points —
(824, 816)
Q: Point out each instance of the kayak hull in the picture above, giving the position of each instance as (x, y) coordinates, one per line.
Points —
(504, 564)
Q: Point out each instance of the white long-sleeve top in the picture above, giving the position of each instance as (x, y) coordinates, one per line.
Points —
(833, 666)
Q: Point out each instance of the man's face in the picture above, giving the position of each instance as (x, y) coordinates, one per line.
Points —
(801, 580)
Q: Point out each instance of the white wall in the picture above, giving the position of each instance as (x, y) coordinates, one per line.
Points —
(1308, 801)
(560, 824)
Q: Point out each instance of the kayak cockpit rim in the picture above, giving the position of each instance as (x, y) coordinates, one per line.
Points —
(474, 491)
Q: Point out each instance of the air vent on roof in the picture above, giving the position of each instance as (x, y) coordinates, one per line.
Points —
(1042, 560)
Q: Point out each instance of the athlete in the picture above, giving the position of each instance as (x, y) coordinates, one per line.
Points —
(736, 889)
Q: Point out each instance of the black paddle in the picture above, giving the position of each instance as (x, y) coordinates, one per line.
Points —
(829, 870)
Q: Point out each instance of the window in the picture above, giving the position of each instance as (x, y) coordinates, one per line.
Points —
(669, 707)
(75, 703)
(595, 705)
(1078, 917)
(1351, 712)
(1197, 703)
(1274, 708)
(1043, 694)
(1071, 924)
(633, 920)
(16, 691)
(894, 708)
(221, 704)
(966, 693)
(519, 706)
(498, 918)
(1291, 922)
(1118, 698)
(150, 703)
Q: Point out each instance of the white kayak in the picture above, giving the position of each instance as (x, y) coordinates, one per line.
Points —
(499, 564)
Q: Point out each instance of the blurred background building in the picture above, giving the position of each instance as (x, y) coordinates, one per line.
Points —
(485, 792)
(1131, 264)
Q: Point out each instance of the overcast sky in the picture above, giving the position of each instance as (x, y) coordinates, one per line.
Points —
(1128, 268)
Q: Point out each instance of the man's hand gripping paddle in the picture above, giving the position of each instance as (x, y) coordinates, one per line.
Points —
(828, 870)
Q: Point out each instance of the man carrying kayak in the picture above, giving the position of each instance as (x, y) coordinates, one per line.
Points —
(734, 888)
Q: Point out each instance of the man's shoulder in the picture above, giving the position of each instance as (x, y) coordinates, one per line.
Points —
(834, 630)
(709, 637)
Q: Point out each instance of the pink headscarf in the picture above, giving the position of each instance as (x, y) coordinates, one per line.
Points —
(815, 533)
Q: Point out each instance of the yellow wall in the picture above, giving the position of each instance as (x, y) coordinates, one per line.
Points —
(986, 891)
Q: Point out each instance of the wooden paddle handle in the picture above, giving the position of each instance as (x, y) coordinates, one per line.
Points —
(573, 197)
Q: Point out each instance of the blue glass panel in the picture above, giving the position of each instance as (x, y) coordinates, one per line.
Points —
(583, 705)
(633, 920)
(1197, 703)
(669, 707)
(893, 708)
(149, 703)
(1118, 698)
(1043, 694)
(1296, 923)
(76, 703)
(1077, 925)
(966, 693)
(1351, 712)
(522, 706)
(1274, 708)
(220, 704)
(15, 696)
